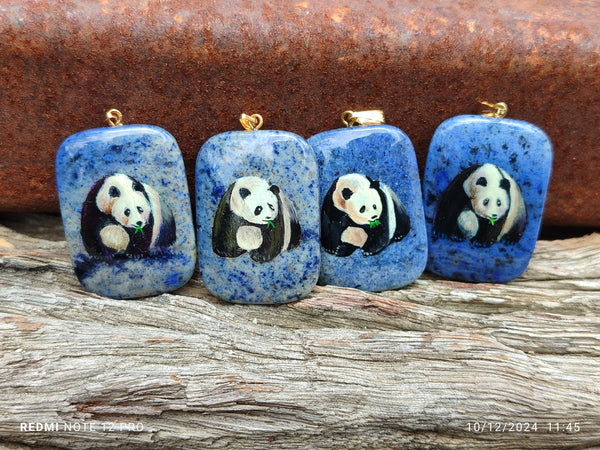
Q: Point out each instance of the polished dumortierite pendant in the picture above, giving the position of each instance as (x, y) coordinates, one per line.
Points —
(126, 210)
(372, 225)
(257, 215)
(484, 189)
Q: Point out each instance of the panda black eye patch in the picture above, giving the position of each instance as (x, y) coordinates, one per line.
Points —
(140, 210)
(258, 210)
(486, 201)
(271, 206)
(244, 193)
(363, 208)
(481, 181)
(114, 192)
(127, 212)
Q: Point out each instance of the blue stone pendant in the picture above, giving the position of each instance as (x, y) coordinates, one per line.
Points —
(257, 215)
(484, 188)
(126, 210)
(372, 225)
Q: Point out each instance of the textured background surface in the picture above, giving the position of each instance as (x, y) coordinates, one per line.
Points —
(193, 69)
(341, 368)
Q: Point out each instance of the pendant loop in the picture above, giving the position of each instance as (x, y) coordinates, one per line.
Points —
(497, 111)
(252, 122)
(114, 118)
(370, 117)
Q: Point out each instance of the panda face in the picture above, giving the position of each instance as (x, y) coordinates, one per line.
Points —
(355, 196)
(254, 200)
(488, 191)
(124, 198)
(363, 207)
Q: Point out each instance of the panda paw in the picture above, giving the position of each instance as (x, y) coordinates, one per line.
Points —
(261, 257)
(249, 237)
(512, 240)
(114, 237)
(341, 250)
(468, 224)
(480, 244)
(376, 251)
(354, 236)
(399, 236)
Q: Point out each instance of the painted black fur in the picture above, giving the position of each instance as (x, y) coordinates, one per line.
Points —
(454, 201)
(93, 221)
(335, 221)
(226, 224)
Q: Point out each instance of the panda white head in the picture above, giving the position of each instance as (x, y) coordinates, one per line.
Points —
(357, 196)
(254, 200)
(124, 198)
(489, 191)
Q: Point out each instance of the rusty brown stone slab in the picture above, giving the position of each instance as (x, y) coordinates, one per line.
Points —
(193, 67)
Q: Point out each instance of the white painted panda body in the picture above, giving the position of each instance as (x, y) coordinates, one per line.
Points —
(122, 216)
(256, 217)
(361, 213)
(483, 204)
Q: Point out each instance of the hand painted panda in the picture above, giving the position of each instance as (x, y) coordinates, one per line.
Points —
(256, 217)
(123, 217)
(361, 213)
(483, 204)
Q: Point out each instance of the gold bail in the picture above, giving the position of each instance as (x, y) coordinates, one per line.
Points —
(497, 111)
(252, 122)
(370, 117)
(114, 118)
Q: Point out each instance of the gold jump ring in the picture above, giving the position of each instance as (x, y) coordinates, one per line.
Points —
(114, 117)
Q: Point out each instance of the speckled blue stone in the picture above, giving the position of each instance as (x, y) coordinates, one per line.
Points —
(386, 154)
(522, 150)
(285, 160)
(150, 155)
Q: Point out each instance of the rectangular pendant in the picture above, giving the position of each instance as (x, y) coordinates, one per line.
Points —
(372, 225)
(257, 216)
(126, 210)
(484, 189)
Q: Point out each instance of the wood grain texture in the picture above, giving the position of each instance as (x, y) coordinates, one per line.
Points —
(341, 368)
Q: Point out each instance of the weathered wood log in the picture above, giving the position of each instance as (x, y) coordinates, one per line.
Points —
(436, 364)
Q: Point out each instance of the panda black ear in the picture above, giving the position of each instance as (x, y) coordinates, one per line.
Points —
(274, 189)
(244, 192)
(137, 186)
(347, 193)
(481, 181)
(505, 184)
(114, 192)
(375, 184)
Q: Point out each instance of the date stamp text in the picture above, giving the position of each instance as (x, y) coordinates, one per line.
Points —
(523, 427)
